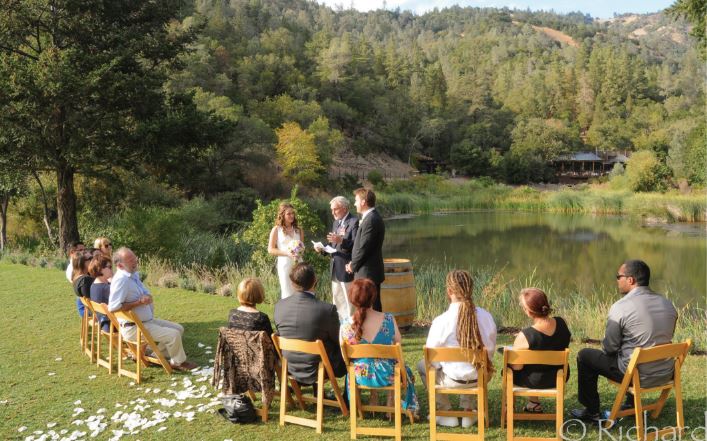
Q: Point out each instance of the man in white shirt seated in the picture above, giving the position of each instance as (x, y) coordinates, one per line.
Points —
(128, 293)
(462, 325)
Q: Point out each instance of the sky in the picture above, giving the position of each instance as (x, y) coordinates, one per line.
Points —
(596, 8)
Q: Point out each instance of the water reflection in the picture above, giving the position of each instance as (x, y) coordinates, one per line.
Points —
(572, 252)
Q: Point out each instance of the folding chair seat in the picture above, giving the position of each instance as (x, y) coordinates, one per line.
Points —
(436, 355)
(510, 392)
(393, 352)
(142, 339)
(244, 363)
(110, 336)
(86, 329)
(632, 383)
(324, 372)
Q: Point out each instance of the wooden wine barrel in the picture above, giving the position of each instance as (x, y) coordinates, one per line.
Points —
(398, 291)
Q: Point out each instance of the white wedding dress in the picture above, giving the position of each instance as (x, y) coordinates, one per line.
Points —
(285, 263)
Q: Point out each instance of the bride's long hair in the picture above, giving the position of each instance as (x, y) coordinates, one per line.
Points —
(280, 220)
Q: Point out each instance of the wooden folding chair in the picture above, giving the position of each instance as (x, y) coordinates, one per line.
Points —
(142, 338)
(510, 392)
(264, 409)
(110, 336)
(314, 348)
(632, 383)
(393, 352)
(86, 326)
(436, 355)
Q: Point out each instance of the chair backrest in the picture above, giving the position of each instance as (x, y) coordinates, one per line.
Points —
(525, 356)
(436, 355)
(391, 352)
(307, 347)
(675, 351)
(248, 358)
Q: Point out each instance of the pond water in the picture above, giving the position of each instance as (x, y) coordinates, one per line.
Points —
(567, 252)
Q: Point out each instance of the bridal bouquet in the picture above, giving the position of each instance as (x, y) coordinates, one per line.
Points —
(295, 247)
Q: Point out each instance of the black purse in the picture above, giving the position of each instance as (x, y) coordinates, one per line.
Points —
(238, 409)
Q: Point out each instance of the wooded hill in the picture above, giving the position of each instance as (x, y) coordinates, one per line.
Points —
(485, 91)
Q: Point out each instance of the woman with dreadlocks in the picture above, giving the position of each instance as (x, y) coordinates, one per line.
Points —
(463, 325)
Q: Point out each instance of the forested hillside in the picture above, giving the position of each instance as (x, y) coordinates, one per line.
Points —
(481, 90)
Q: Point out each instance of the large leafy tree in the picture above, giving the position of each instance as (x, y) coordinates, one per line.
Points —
(81, 86)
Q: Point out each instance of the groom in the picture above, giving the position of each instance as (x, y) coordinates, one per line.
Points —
(367, 255)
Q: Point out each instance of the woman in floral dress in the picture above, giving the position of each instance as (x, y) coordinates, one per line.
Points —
(367, 326)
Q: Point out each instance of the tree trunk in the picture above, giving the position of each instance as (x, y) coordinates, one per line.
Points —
(4, 202)
(47, 225)
(66, 206)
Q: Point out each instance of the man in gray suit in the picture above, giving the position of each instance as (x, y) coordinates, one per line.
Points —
(303, 317)
(640, 319)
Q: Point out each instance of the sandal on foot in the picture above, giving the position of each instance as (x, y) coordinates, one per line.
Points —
(533, 407)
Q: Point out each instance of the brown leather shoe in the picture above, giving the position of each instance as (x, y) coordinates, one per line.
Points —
(184, 367)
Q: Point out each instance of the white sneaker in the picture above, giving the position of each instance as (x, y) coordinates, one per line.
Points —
(447, 421)
(468, 422)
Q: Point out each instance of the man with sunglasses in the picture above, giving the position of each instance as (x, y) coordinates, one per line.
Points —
(641, 318)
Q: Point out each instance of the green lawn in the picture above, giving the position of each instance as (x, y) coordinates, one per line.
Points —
(43, 374)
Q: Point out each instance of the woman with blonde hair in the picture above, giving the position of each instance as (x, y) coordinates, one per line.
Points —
(246, 317)
(463, 325)
(104, 245)
(287, 243)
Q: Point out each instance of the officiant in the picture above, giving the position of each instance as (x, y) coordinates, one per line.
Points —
(341, 239)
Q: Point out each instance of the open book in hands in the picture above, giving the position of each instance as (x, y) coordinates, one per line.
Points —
(320, 246)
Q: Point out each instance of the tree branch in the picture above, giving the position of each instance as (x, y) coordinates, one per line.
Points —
(19, 52)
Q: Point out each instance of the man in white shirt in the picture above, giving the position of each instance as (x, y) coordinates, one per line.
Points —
(443, 333)
(128, 293)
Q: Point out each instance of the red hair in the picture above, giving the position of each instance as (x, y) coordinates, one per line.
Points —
(536, 302)
(362, 295)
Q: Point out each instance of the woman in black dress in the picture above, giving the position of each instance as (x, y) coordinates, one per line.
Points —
(246, 317)
(102, 271)
(546, 334)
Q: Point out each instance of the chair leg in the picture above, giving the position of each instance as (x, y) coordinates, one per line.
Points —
(660, 403)
(431, 397)
(559, 412)
(640, 422)
(398, 405)
(283, 392)
(320, 398)
(353, 400)
(509, 408)
(680, 416)
(503, 400)
(481, 411)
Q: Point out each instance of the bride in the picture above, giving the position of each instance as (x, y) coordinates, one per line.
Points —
(282, 234)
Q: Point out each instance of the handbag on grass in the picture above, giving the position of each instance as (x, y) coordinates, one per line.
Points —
(238, 409)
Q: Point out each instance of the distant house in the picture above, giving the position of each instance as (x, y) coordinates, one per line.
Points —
(580, 166)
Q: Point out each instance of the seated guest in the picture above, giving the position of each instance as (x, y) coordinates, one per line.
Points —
(76, 247)
(246, 317)
(546, 334)
(639, 319)
(462, 325)
(301, 316)
(368, 326)
(104, 245)
(101, 270)
(128, 293)
(80, 279)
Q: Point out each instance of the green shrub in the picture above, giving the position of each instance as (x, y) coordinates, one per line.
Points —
(375, 177)
(42, 262)
(188, 284)
(258, 233)
(207, 286)
(645, 172)
(60, 265)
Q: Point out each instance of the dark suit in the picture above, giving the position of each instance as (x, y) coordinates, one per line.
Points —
(349, 226)
(367, 254)
(303, 317)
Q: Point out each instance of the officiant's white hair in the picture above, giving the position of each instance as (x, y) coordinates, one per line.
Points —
(340, 200)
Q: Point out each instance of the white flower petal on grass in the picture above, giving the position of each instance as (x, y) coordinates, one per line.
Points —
(22, 429)
(50, 425)
(63, 432)
(132, 383)
(77, 402)
(211, 360)
(101, 410)
(51, 374)
(91, 377)
(162, 429)
(77, 422)
(208, 348)
(78, 411)
(201, 345)
(58, 359)
(156, 390)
